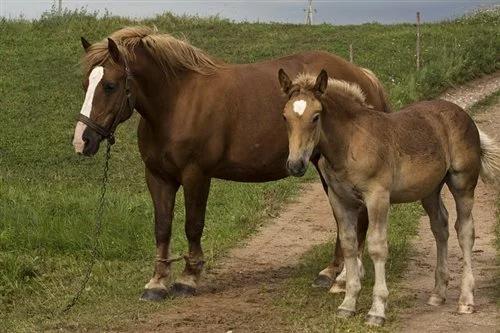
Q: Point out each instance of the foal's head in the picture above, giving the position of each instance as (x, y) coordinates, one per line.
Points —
(302, 116)
(108, 100)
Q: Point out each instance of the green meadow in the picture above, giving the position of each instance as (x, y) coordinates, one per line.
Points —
(48, 194)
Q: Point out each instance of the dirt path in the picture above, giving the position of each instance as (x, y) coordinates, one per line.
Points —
(237, 293)
(419, 279)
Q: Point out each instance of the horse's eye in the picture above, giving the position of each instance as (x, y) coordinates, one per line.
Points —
(315, 118)
(284, 118)
(109, 87)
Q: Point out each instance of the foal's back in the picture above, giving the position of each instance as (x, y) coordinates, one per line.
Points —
(429, 140)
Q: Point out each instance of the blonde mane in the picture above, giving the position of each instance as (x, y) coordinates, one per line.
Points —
(172, 54)
(352, 90)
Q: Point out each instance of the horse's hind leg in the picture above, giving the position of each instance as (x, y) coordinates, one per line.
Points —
(462, 187)
(196, 188)
(329, 277)
(438, 216)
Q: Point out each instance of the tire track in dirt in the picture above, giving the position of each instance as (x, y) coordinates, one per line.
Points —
(419, 279)
(237, 294)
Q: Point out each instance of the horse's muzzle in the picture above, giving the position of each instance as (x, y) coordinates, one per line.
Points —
(92, 141)
(296, 168)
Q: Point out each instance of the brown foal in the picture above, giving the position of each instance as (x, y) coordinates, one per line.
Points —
(372, 159)
(200, 118)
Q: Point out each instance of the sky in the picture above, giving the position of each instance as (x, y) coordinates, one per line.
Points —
(290, 11)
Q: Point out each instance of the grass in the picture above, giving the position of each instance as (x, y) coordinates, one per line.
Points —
(312, 310)
(48, 195)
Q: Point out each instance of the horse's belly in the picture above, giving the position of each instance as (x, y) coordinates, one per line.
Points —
(251, 172)
(415, 180)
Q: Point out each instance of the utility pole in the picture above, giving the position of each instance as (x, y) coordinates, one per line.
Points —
(418, 41)
(310, 10)
(59, 8)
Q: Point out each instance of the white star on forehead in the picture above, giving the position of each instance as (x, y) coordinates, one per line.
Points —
(299, 107)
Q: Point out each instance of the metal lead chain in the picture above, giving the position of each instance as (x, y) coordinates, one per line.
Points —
(97, 232)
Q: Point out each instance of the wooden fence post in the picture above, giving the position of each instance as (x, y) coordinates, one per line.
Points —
(351, 53)
(418, 40)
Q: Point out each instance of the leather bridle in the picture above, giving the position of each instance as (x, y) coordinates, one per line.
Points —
(109, 133)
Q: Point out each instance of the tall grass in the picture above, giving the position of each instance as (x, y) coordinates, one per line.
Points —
(48, 195)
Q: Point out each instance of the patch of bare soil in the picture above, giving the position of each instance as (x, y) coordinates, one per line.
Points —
(419, 279)
(237, 294)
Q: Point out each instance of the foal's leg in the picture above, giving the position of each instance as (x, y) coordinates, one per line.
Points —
(438, 216)
(462, 188)
(338, 285)
(378, 204)
(163, 192)
(329, 277)
(346, 217)
(196, 188)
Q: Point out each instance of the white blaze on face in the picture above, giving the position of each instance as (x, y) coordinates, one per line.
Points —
(299, 107)
(94, 78)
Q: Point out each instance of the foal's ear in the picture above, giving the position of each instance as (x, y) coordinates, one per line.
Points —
(285, 81)
(114, 51)
(321, 82)
(85, 44)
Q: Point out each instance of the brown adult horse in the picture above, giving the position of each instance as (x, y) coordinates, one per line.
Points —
(370, 159)
(200, 118)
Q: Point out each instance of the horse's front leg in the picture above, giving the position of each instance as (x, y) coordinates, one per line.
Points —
(378, 203)
(346, 215)
(338, 285)
(333, 277)
(196, 188)
(163, 191)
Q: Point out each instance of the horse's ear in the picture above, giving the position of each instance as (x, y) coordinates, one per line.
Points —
(114, 51)
(85, 44)
(285, 81)
(321, 82)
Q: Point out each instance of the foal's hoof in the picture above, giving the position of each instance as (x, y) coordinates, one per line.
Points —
(436, 300)
(337, 288)
(465, 308)
(154, 294)
(181, 290)
(372, 320)
(322, 281)
(343, 313)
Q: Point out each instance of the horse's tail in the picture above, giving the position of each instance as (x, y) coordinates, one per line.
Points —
(386, 107)
(490, 159)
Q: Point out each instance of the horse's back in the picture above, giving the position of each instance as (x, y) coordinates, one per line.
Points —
(453, 128)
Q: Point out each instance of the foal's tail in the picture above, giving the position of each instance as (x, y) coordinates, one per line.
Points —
(490, 159)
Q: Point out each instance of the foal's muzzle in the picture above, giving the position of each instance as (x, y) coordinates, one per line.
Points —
(296, 168)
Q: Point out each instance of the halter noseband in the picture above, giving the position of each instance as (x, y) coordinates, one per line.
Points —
(109, 133)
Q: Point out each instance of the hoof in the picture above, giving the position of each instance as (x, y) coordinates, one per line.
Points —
(342, 313)
(322, 281)
(465, 308)
(372, 320)
(436, 300)
(155, 294)
(337, 288)
(181, 290)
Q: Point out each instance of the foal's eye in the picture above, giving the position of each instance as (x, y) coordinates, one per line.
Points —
(315, 118)
(109, 87)
(284, 118)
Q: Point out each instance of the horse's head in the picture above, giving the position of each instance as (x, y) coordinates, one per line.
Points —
(302, 116)
(108, 100)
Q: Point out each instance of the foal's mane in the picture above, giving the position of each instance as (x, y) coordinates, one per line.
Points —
(172, 54)
(348, 89)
